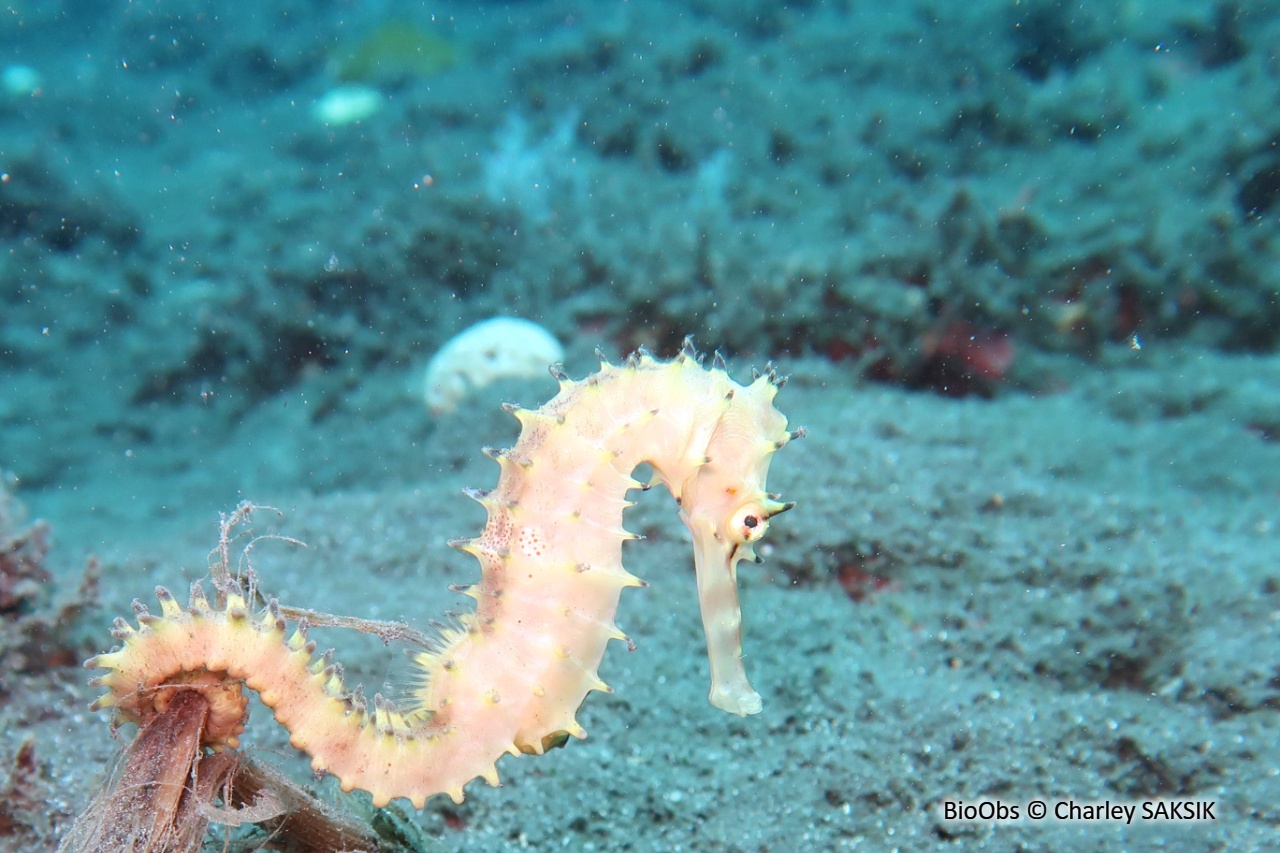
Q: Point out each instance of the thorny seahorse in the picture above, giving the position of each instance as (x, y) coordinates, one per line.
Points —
(509, 677)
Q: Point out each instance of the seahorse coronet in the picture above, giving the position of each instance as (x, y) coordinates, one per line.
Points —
(508, 677)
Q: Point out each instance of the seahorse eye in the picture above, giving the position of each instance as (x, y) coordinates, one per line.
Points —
(748, 523)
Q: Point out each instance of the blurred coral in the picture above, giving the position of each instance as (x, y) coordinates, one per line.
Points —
(32, 625)
(959, 358)
(24, 580)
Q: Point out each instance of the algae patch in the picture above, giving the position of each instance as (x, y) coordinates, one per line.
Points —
(395, 51)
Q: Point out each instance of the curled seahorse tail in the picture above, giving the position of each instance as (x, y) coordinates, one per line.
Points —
(216, 649)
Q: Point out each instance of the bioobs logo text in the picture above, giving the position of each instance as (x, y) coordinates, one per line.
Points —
(980, 810)
(1073, 811)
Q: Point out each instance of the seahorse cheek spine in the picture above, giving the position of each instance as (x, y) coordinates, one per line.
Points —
(510, 677)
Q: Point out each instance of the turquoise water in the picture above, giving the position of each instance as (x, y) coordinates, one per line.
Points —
(1018, 258)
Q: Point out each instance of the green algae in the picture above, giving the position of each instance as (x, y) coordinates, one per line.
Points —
(395, 51)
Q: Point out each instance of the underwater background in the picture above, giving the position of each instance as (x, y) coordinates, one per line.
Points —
(1021, 259)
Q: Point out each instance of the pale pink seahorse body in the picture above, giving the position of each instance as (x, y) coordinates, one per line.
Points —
(510, 677)
(551, 553)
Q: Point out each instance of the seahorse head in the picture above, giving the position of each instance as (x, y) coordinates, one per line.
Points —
(727, 509)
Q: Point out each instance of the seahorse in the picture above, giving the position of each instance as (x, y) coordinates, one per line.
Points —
(508, 677)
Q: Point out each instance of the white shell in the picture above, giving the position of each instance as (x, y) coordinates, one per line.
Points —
(493, 349)
(347, 105)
